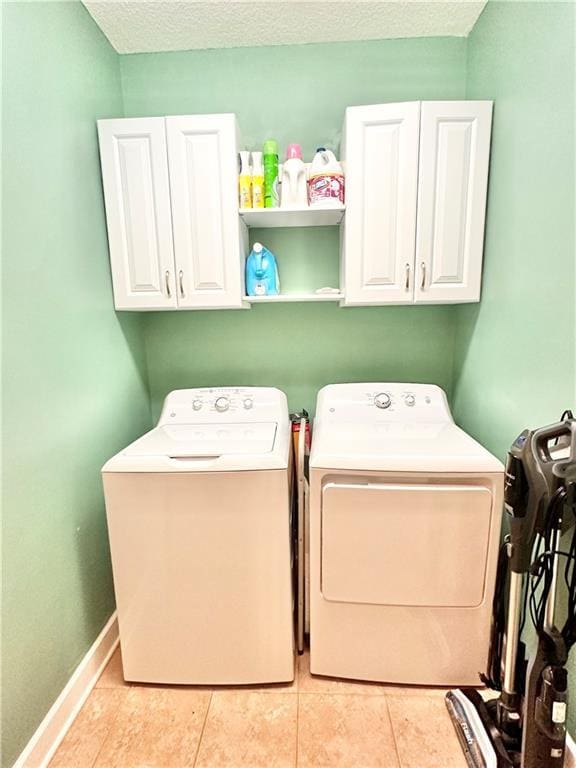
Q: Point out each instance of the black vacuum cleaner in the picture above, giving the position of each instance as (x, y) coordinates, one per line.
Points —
(525, 726)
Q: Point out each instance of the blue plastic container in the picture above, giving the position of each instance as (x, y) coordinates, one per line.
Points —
(262, 272)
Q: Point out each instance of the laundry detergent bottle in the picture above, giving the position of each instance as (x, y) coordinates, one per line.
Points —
(325, 180)
(261, 272)
(294, 183)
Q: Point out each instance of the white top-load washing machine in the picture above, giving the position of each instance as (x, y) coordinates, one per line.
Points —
(199, 520)
(405, 515)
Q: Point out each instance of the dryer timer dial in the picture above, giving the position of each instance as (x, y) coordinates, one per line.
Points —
(382, 400)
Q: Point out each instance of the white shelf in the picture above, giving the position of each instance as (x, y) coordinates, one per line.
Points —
(294, 297)
(292, 217)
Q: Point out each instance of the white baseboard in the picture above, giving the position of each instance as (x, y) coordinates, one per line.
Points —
(570, 754)
(46, 740)
(44, 743)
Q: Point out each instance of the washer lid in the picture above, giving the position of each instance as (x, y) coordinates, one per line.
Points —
(399, 447)
(211, 447)
(196, 440)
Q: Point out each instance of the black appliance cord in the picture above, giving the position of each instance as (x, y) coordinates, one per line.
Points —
(541, 571)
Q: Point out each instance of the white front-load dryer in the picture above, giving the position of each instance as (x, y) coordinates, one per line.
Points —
(199, 522)
(405, 515)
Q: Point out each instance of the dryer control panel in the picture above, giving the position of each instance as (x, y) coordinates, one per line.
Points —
(396, 402)
(224, 404)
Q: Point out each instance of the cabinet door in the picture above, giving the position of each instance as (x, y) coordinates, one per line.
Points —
(137, 197)
(202, 155)
(454, 155)
(380, 148)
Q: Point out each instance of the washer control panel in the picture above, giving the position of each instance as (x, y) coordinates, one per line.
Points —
(221, 404)
(383, 401)
(391, 399)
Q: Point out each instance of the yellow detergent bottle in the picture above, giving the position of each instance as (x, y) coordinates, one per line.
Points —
(245, 181)
(257, 180)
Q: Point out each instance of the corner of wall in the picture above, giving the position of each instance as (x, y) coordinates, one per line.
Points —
(463, 314)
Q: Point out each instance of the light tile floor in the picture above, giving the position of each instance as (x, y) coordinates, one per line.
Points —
(313, 722)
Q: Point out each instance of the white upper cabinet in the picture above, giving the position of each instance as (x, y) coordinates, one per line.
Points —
(137, 197)
(202, 156)
(416, 179)
(412, 231)
(175, 238)
(380, 150)
(454, 156)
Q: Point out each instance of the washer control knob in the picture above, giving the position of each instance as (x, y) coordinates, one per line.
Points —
(382, 400)
(410, 400)
(222, 404)
(197, 405)
(248, 403)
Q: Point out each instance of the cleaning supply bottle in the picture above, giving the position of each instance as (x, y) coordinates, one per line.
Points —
(261, 272)
(271, 197)
(257, 180)
(294, 184)
(245, 181)
(325, 180)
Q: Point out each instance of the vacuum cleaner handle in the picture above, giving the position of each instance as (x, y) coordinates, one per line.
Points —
(546, 437)
(529, 484)
(521, 501)
(551, 432)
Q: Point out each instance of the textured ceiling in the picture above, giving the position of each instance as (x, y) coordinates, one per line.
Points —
(162, 25)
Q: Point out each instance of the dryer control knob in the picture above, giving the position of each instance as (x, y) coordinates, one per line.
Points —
(222, 404)
(382, 400)
(410, 400)
(248, 403)
(197, 404)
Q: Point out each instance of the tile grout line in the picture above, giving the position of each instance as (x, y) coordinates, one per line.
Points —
(399, 759)
(339, 693)
(297, 707)
(112, 724)
(297, 727)
(203, 727)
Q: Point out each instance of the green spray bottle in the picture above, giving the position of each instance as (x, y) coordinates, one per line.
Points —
(270, 157)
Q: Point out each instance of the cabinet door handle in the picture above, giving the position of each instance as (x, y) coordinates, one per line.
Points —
(181, 283)
(407, 283)
(167, 281)
(423, 283)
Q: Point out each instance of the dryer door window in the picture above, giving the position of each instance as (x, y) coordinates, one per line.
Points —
(405, 545)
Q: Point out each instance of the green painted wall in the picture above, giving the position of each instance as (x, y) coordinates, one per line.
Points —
(74, 376)
(293, 92)
(302, 97)
(299, 347)
(515, 351)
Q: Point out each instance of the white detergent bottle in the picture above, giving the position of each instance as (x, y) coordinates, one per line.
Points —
(325, 180)
(294, 191)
